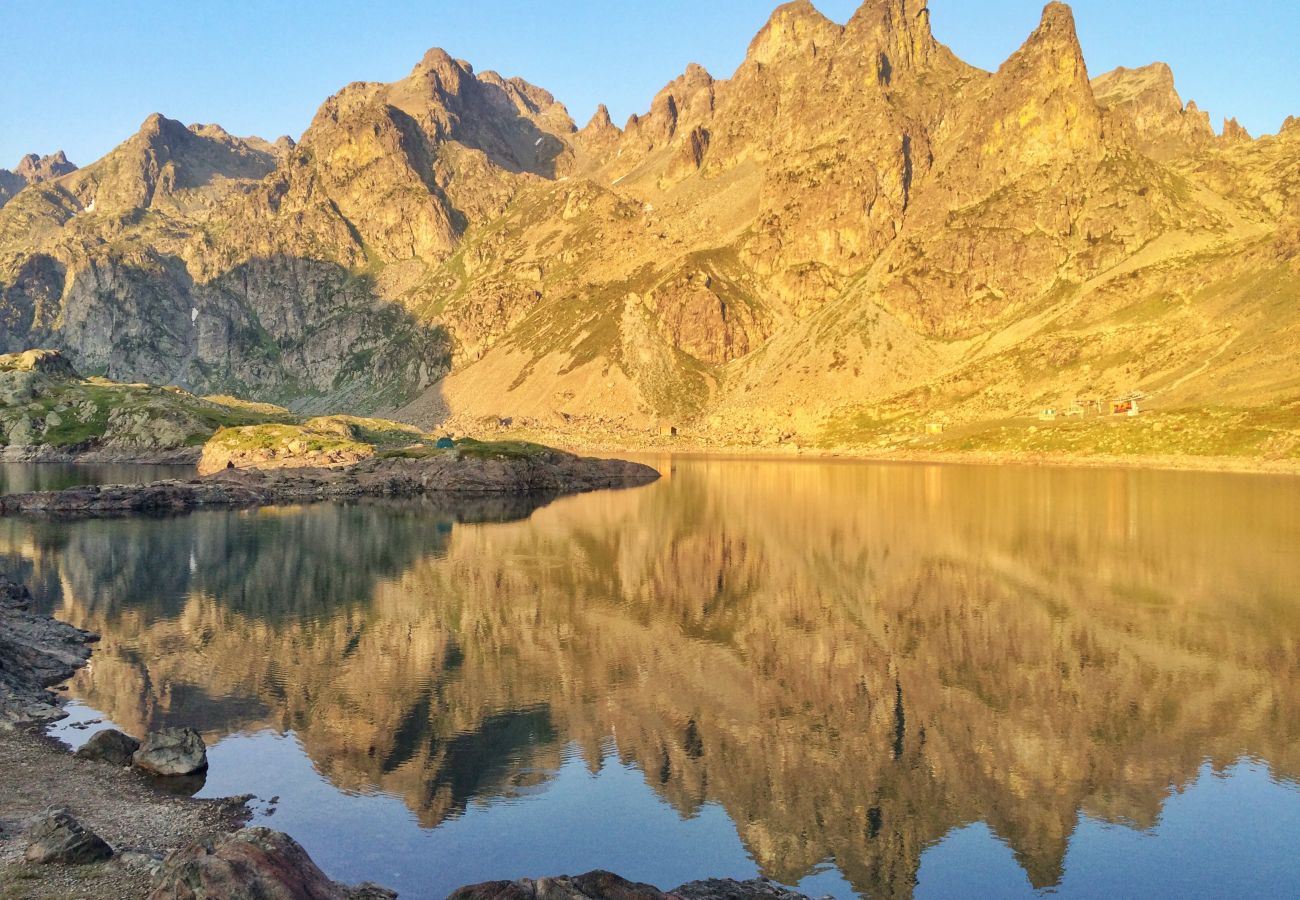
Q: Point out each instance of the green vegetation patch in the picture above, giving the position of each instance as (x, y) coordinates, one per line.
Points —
(470, 448)
(299, 438)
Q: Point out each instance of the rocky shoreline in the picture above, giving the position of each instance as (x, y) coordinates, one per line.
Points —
(36, 652)
(547, 472)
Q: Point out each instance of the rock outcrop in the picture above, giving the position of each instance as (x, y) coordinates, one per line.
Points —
(252, 864)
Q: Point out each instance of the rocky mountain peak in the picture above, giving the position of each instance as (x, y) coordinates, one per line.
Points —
(1149, 109)
(1037, 110)
(600, 120)
(897, 30)
(158, 128)
(1234, 132)
(600, 135)
(1056, 40)
(438, 63)
(35, 168)
(794, 29)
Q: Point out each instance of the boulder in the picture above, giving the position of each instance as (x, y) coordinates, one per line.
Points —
(729, 889)
(597, 885)
(600, 885)
(172, 751)
(252, 864)
(56, 837)
(110, 746)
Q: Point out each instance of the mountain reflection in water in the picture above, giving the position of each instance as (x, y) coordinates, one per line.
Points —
(853, 661)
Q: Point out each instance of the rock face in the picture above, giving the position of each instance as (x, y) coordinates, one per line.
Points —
(59, 838)
(109, 746)
(35, 653)
(742, 258)
(172, 751)
(252, 864)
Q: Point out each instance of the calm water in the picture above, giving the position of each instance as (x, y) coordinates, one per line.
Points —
(859, 679)
(20, 478)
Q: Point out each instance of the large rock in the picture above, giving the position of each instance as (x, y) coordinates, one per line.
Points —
(252, 864)
(597, 885)
(172, 751)
(110, 746)
(601, 885)
(729, 889)
(59, 838)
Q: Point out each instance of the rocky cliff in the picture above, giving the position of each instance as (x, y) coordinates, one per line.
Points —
(854, 234)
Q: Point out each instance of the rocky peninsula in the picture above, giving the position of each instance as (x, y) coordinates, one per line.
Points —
(487, 470)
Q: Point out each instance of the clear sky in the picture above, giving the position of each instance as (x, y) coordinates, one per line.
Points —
(82, 74)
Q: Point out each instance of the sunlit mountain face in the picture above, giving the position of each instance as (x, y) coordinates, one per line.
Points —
(835, 674)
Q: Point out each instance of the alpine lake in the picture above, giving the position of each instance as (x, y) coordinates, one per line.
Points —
(857, 679)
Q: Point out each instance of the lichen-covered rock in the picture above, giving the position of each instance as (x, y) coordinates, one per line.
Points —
(252, 864)
(57, 837)
(172, 751)
(109, 746)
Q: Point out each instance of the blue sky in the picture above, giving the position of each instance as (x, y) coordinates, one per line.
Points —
(82, 74)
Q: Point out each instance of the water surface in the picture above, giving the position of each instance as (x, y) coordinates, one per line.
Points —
(22, 478)
(864, 680)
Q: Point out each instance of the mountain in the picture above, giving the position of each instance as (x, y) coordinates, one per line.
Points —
(855, 234)
(32, 169)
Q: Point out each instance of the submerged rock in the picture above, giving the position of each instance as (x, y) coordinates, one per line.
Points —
(172, 751)
(730, 889)
(110, 746)
(57, 837)
(601, 885)
(252, 864)
(597, 885)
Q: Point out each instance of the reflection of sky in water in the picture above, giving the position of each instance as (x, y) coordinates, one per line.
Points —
(980, 679)
(1205, 844)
